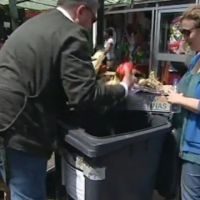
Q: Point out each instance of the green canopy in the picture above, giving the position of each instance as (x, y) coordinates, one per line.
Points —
(117, 2)
(33, 4)
(3, 2)
(48, 4)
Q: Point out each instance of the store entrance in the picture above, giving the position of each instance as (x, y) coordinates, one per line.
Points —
(133, 38)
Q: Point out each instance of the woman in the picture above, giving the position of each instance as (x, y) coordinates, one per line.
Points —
(109, 46)
(188, 97)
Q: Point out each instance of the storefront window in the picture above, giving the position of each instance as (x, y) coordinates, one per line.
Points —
(171, 39)
(173, 51)
(168, 30)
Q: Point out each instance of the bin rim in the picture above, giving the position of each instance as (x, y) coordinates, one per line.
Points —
(93, 146)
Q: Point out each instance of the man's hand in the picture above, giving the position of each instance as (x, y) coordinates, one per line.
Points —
(129, 79)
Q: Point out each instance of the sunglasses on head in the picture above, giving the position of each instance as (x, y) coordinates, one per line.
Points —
(186, 32)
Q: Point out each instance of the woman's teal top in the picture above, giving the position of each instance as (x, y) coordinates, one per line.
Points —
(189, 85)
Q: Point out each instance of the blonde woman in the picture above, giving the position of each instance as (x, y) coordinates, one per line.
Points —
(109, 46)
(188, 97)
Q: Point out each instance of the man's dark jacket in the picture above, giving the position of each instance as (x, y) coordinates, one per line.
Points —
(44, 64)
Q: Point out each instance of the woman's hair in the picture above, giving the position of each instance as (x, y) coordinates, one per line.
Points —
(109, 31)
(193, 13)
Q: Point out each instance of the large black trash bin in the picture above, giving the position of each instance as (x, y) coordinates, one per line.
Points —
(117, 167)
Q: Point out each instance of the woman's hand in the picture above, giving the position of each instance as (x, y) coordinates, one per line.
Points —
(174, 97)
(191, 104)
(166, 88)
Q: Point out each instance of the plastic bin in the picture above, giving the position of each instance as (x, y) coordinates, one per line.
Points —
(116, 167)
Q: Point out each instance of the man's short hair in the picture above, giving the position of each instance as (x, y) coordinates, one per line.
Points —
(67, 3)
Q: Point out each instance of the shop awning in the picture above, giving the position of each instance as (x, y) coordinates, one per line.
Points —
(149, 1)
(33, 4)
(3, 2)
(37, 5)
(118, 2)
(49, 4)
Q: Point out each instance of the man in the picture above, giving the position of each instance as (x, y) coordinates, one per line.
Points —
(44, 64)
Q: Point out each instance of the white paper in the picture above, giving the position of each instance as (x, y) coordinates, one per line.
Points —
(6, 24)
(74, 182)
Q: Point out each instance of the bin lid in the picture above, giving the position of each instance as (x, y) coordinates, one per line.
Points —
(93, 146)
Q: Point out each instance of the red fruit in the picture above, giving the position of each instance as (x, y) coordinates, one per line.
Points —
(120, 72)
